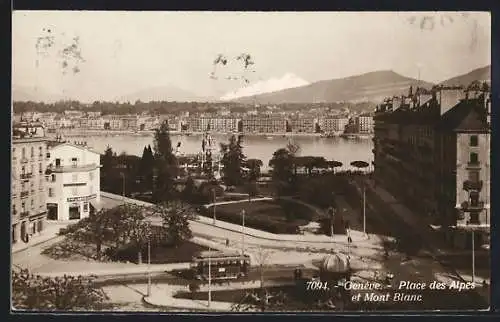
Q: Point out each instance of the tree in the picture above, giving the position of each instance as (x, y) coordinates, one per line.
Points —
(262, 258)
(97, 229)
(253, 166)
(282, 164)
(334, 164)
(146, 167)
(175, 218)
(107, 161)
(189, 192)
(165, 165)
(30, 292)
(232, 161)
(138, 231)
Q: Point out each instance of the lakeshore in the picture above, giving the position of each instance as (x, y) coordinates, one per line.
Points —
(90, 132)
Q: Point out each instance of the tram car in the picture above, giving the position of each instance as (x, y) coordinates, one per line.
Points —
(223, 265)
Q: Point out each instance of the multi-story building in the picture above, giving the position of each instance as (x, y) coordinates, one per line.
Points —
(95, 123)
(264, 124)
(364, 123)
(434, 157)
(333, 124)
(302, 124)
(73, 181)
(129, 122)
(28, 204)
(112, 122)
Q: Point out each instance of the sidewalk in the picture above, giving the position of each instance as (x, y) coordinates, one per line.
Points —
(162, 295)
(116, 269)
(50, 232)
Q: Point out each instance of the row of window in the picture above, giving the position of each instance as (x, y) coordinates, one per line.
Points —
(74, 178)
(31, 202)
(23, 151)
(74, 191)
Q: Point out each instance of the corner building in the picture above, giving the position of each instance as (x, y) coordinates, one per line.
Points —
(73, 181)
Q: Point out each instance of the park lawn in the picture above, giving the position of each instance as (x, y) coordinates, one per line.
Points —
(267, 215)
(267, 209)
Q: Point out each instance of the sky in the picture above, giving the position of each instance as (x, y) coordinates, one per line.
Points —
(124, 52)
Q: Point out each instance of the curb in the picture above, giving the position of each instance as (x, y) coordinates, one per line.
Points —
(36, 244)
(174, 308)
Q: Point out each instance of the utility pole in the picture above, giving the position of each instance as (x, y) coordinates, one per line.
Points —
(149, 265)
(473, 259)
(364, 208)
(209, 276)
(215, 204)
(123, 185)
(243, 232)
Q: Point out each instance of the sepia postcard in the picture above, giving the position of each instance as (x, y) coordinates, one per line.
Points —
(250, 161)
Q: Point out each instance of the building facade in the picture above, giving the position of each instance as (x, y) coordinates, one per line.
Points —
(364, 124)
(73, 181)
(264, 124)
(333, 124)
(434, 157)
(302, 124)
(28, 203)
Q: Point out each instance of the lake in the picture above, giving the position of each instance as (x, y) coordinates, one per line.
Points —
(255, 147)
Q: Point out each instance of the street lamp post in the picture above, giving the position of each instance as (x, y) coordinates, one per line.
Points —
(215, 204)
(123, 185)
(209, 276)
(473, 259)
(243, 232)
(149, 266)
(364, 208)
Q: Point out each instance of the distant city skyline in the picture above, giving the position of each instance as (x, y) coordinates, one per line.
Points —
(125, 52)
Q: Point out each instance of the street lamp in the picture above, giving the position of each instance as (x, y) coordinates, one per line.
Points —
(149, 265)
(473, 258)
(215, 204)
(364, 208)
(243, 232)
(209, 276)
(122, 174)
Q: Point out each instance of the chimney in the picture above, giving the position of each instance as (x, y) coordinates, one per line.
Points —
(448, 97)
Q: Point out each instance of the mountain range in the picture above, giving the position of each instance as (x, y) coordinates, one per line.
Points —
(368, 87)
(373, 86)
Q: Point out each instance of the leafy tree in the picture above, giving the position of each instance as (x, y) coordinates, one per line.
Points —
(282, 164)
(135, 227)
(97, 229)
(189, 192)
(33, 292)
(254, 166)
(232, 161)
(165, 165)
(175, 217)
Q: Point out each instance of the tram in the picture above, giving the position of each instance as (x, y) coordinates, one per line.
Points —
(223, 265)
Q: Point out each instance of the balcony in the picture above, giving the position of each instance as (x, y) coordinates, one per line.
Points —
(24, 194)
(472, 206)
(24, 214)
(473, 185)
(474, 165)
(26, 175)
(24, 160)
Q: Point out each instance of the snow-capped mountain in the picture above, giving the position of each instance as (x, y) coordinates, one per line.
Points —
(288, 80)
